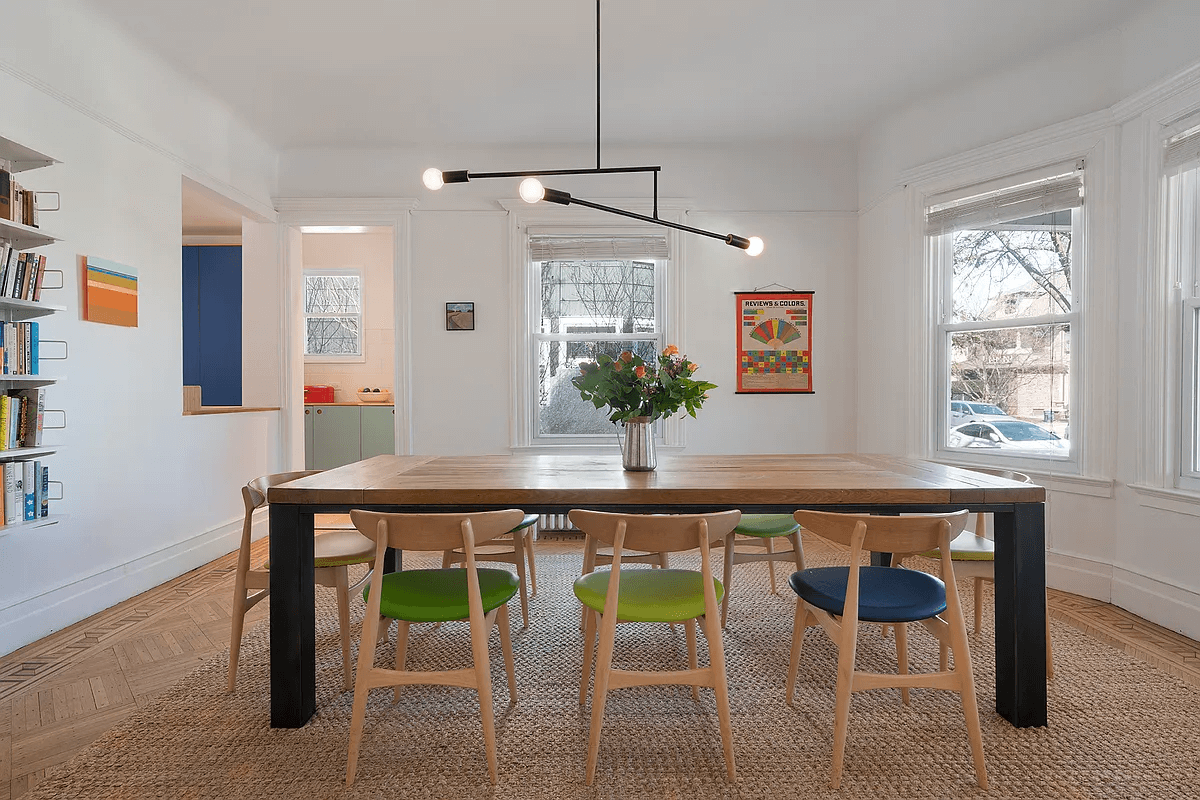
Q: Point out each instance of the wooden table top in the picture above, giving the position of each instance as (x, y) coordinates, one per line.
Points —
(697, 480)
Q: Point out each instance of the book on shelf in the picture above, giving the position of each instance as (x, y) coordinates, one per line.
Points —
(45, 504)
(38, 278)
(12, 489)
(29, 509)
(5, 194)
(10, 271)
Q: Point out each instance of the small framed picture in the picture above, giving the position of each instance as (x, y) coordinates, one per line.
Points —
(460, 316)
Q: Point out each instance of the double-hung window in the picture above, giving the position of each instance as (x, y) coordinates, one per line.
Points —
(1181, 248)
(1006, 260)
(595, 295)
(333, 305)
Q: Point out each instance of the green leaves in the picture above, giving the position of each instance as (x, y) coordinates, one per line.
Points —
(631, 387)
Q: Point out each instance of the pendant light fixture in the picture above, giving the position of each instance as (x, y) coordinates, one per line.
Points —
(532, 190)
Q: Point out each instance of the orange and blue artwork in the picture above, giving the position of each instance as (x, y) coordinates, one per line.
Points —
(774, 342)
(110, 292)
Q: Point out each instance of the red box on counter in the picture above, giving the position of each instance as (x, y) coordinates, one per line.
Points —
(318, 394)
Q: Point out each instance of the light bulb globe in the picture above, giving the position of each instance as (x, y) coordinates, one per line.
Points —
(756, 246)
(531, 190)
(432, 178)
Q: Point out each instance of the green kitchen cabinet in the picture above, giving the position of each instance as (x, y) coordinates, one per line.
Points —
(378, 431)
(335, 436)
(309, 416)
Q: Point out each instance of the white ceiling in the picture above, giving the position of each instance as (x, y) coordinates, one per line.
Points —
(434, 72)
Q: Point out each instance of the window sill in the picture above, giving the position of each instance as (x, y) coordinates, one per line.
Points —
(1178, 501)
(227, 410)
(1053, 481)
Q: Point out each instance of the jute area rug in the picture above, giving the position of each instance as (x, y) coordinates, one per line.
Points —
(1118, 727)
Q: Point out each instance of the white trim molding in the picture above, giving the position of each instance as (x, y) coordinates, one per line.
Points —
(1175, 500)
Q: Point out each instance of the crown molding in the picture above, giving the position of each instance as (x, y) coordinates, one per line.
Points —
(331, 209)
(190, 168)
(212, 239)
(1137, 104)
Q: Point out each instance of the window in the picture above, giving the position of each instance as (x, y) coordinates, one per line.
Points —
(1181, 248)
(333, 315)
(595, 295)
(1006, 262)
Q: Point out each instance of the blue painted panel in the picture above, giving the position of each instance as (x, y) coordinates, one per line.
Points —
(191, 316)
(220, 291)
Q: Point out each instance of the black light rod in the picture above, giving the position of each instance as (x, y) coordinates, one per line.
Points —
(644, 218)
(535, 173)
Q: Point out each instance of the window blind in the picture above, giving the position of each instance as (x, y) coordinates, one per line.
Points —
(1182, 149)
(1005, 205)
(620, 248)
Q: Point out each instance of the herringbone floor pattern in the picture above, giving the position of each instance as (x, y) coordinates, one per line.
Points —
(62, 692)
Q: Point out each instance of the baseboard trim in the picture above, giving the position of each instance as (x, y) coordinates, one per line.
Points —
(38, 616)
(1170, 606)
(1078, 575)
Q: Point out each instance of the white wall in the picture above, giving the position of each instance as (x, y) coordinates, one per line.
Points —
(1105, 540)
(149, 493)
(801, 197)
(370, 253)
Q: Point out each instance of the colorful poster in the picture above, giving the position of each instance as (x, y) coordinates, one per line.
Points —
(774, 342)
(110, 292)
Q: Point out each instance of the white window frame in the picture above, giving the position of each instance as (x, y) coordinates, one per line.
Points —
(335, 358)
(1093, 377)
(528, 220)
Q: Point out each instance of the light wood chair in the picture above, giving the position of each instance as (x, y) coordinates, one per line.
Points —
(518, 552)
(838, 598)
(974, 556)
(653, 595)
(760, 530)
(333, 551)
(435, 595)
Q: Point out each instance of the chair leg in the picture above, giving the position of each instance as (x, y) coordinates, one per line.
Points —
(978, 605)
(663, 561)
(341, 586)
(401, 654)
(770, 545)
(447, 558)
(235, 637)
(589, 647)
(532, 565)
(902, 657)
(845, 688)
(506, 649)
(797, 549)
(716, 663)
(727, 577)
(966, 689)
(689, 627)
(483, 684)
(608, 630)
(366, 659)
(590, 546)
(1049, 652)
(519, 561)
(799, 627)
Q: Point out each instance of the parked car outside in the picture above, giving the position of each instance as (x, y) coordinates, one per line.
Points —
(969, 411)
(1015, 435)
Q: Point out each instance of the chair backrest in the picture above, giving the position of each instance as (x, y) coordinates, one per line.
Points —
(656, 533)
(434, 531)
(1007, 474)
(254, 493)
(912, 533)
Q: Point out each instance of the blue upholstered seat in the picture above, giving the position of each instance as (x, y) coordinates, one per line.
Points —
(886, 594)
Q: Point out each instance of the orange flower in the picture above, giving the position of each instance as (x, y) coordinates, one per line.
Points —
(627, 356)
(618, 366)
(639, 371)
(671, 350)
(692, 367)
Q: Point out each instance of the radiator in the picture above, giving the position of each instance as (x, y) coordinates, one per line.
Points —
(555, 522)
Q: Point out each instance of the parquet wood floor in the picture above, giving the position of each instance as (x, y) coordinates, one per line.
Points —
(62, 692)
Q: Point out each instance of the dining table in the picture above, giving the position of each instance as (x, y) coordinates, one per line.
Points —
(682, 483)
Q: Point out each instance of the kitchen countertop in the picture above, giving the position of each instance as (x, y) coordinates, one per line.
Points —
(350, 403)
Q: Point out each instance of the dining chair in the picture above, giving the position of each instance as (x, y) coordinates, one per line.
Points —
(974, 556)
(435, 595)
(761, 530)
(333, 552)
(839, 598)
(517, 551)
(652, 595)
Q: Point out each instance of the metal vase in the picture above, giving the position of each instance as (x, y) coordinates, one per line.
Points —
(637, 450)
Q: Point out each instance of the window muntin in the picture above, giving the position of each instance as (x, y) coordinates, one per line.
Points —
(1008, 285)
(332, 314)
(1181, 240)
(588, 307)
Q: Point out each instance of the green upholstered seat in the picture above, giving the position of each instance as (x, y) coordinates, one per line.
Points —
(766, 526)
(440, 595)
(649, 595)
(967, 547)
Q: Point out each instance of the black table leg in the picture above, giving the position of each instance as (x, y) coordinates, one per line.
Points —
(1021, 615)
(881, 559)
(293, 617)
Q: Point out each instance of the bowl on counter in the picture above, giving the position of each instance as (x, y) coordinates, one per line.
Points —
(381, 396)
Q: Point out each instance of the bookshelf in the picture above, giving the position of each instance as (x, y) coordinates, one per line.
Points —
(17, 158)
